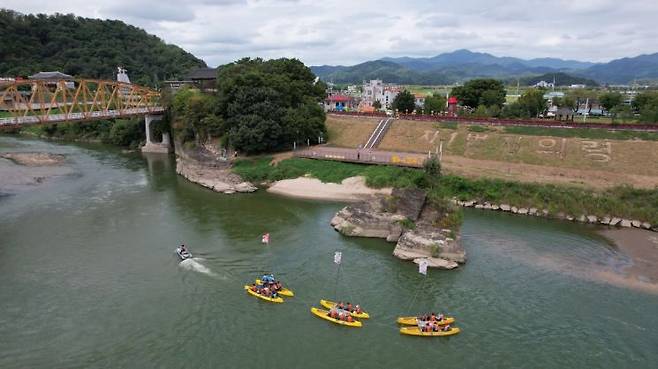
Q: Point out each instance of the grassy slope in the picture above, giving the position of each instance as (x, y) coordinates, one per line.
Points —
(619, 201)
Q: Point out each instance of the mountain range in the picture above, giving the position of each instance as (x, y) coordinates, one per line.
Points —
(461, 65)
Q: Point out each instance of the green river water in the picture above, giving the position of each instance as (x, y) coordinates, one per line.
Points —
(90, 280)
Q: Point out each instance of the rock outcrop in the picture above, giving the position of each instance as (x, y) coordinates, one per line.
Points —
(206, 169)
(404, 218)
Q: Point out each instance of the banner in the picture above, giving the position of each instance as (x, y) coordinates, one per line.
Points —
(422, 266)
(338, 257)
(266, 238)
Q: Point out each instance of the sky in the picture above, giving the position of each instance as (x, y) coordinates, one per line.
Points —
(349, 32)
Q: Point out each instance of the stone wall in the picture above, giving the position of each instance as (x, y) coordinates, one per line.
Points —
(582, 218)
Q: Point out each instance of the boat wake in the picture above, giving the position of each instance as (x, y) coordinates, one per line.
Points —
(193, 264)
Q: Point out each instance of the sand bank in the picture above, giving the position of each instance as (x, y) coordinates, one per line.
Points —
(351, 189)
(642, 247)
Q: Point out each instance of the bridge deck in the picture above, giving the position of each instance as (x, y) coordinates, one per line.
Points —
(58, 118)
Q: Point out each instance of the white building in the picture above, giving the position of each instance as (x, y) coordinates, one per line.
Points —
(544, 84)
(376, 90)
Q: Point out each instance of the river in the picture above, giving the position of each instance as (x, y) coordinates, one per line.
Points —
(90, 280)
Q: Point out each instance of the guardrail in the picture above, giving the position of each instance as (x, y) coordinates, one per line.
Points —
(363, 156)
(511, 122)
(56, 118)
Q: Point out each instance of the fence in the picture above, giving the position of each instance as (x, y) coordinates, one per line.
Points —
(546, 123)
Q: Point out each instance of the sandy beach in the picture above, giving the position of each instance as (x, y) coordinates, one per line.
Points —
(351, 189)
(642, 247)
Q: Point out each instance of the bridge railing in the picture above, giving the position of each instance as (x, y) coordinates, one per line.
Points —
(42, 101)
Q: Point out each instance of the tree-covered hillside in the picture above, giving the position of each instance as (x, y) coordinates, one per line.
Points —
(84, 47)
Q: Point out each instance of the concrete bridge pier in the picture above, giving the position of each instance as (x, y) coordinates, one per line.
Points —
(163, 147)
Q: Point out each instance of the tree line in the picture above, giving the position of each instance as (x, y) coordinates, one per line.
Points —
(87, 48)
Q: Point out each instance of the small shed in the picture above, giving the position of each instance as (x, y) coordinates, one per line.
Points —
(565, 114)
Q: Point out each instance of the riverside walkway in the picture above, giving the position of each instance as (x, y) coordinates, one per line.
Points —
(363, 156)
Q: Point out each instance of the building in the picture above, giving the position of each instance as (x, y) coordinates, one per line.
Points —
(340, 102)
(420, 100)
(376, 90)
(564, 114)
(51, 78)
(205, 79)
(544, 84)
(452, 106)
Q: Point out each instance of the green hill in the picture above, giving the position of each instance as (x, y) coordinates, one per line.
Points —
(89, 48)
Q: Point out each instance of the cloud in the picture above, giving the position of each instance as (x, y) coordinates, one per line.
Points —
(350, 32)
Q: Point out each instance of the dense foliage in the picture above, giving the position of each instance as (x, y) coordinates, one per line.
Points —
(404, 102)
(434, 104)
(89, 48)
(476, 92)
(529, 105)
(260, 106)
(119, 132)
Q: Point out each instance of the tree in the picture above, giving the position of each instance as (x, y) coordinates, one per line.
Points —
(565, 102)
(434, 103)
(611, 100)
(432, 169)
(646, 105)
(404, 102)
(267, 105)
(476, 92)
(532, 101)
(377, 105)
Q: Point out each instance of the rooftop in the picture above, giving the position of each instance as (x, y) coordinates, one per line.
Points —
(202, 73)
(51, 76)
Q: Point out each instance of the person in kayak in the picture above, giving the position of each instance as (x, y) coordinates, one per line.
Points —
(432, 317)
(446, 328)
(357, 309)
(183, 249)
(440, 317)
(349, 318)
(340, 305)
(349, 307)
(332, 313)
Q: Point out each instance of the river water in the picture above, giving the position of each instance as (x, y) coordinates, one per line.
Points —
(90, 280)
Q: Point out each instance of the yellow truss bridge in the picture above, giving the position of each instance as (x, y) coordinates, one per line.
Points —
(28, 102)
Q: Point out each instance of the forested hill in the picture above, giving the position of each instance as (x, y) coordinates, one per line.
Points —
(84, 47)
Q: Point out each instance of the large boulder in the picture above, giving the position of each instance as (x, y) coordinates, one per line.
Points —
(626, 223)
(592, 219)
(505, 207)
(615, 221)
(380, 216)
(636, 223)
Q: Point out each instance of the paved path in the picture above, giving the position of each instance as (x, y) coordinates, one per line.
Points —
(363, 156)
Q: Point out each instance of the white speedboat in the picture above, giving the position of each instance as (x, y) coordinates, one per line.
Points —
(183, 254)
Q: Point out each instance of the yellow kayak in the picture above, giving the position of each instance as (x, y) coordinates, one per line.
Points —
(415, 331)
(323, 314)
(329, 304)
(283, 292)
(270, 299)
(412, 320)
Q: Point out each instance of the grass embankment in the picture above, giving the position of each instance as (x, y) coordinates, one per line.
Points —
(597, 134)
(259, 170)
(618, 201)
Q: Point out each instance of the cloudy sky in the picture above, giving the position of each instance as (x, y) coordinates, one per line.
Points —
(349, 32)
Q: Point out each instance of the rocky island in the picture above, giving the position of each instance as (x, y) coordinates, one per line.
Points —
(409, 219)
